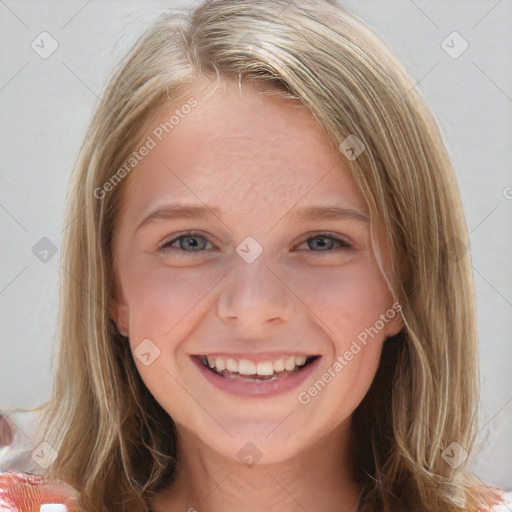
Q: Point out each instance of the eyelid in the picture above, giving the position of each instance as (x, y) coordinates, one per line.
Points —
(346, 242)
(176, 236)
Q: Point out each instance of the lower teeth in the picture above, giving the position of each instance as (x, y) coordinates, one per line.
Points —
(237, 376)
(259, 378)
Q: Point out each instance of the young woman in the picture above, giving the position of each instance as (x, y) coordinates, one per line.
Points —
(267, 301)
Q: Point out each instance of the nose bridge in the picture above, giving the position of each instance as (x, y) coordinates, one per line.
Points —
(253, 293)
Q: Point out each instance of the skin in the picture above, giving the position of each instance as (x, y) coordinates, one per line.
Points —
(258, 160)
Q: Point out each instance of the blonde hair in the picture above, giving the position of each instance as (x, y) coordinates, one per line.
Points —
(7, 431)
(115, 443)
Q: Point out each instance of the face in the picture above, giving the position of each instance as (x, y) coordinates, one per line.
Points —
(268, 276)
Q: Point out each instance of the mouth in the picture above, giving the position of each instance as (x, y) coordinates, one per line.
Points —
(249, 370)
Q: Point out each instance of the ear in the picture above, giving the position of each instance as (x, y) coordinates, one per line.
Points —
(396, 324)
(120, 314)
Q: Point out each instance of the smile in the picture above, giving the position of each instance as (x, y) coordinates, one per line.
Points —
(247, 370)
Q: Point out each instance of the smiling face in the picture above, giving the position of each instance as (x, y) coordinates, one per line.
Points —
(273, 287)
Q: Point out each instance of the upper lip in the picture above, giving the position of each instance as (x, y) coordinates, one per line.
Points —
(256, 357)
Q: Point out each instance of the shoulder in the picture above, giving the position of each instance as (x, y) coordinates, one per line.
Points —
(30, 491)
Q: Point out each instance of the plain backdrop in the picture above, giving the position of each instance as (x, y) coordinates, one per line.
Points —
(46, 104)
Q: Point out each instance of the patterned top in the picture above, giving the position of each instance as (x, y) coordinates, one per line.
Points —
(31, 492)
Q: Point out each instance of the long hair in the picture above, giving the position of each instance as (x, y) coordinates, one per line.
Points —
(115, 443)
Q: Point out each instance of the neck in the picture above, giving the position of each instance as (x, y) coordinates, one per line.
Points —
(317, 478)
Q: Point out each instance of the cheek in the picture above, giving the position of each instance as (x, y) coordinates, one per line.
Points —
(161, 299)
(348, 304)
(345, 300)
(166, 305)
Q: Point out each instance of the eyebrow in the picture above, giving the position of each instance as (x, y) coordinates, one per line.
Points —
(316, 213)
(333, 212)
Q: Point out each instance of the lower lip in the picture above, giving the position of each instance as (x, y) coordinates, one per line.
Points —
(263, 388)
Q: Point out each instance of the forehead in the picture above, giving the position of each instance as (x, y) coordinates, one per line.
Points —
(239, 149)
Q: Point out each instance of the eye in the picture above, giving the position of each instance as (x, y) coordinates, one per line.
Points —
(194, 242)
(186, 242)
(326, 242)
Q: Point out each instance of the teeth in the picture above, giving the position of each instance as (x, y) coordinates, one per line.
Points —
(279, 365)
(300, 360)
(289, 363)
(247, 367)
(265, 368)
(232, 365)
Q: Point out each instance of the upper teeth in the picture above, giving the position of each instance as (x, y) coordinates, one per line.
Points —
(247, 367)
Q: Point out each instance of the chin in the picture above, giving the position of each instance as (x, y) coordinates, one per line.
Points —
(259, 443)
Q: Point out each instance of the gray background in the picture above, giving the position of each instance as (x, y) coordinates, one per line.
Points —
(46, 105)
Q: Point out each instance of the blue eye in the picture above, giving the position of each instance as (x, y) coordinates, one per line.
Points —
(186, 241)
(332, 243)
(194, 242)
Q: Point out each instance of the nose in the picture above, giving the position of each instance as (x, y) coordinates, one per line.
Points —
(255, 296)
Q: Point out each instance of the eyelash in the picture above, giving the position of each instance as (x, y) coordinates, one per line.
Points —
(166, 246)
